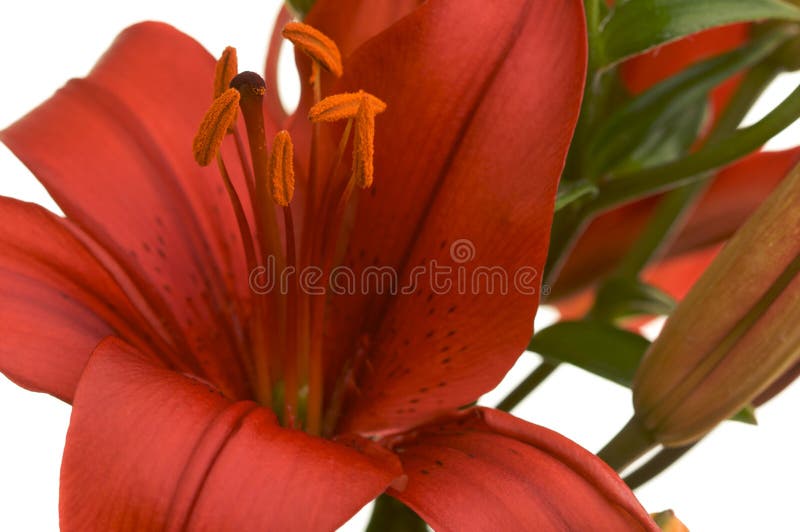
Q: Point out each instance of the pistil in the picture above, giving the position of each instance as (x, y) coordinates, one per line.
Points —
(251, 87)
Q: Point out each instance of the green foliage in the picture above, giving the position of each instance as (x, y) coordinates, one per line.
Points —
(634, 26)
(597, 347)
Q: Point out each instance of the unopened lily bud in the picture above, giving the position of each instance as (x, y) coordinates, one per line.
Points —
(735, 332)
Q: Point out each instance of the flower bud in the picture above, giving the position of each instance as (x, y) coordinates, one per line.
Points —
(734, 333)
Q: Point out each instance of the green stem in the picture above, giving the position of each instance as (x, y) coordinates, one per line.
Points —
(391, 515)
(593, 29)
(568, 224)
(657, 465)
(537, 376)
(630, 443)
(656, 233)
(633, 185)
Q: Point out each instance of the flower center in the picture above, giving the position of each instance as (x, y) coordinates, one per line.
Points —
(286, 324)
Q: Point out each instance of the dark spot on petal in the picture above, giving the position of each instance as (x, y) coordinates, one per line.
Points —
(425, 472)
(446, 360)
(439, 463)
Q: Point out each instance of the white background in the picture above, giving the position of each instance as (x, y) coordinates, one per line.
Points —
(741, 478)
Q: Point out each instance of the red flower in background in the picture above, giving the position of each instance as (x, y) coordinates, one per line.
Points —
(136, 307)
(735, 192)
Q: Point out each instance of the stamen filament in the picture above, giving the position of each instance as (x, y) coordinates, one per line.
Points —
(246, 168)
(291, 359)
(250, 256)
(281, 180)
(316, 370)
(311, 202)
(316, 363)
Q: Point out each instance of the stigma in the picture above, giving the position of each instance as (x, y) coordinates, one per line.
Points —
(282, 344)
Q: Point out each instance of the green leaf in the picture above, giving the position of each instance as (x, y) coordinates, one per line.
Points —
(634, 26)
(300, 8)
(746, 415)
(671, 136)
(651, 117)
(622, 297)
(594, 346)
(624, 187)
(570, 191)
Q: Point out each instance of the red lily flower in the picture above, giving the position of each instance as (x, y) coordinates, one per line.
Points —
(136, 307)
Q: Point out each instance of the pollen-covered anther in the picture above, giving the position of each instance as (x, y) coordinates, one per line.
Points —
(215, 124)
(364, 146)
(316, 45)
(226, 70)
(281, 169)
(345, 106)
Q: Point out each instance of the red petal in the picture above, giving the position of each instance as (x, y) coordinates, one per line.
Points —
(734, 195)
(482, 100)
(491, 471)
(676, 275)
(114, 150)
(352, 22)
(56, 301)
(272, 104)
(149, 449)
